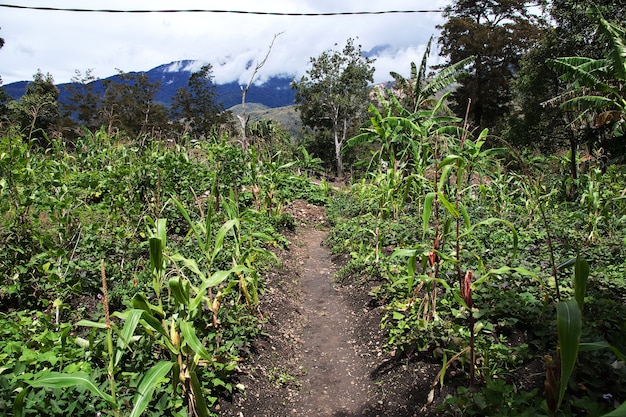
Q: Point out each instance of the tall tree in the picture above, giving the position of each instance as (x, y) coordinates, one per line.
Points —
(333, 95)
(194, 107)
(420, 90)
(128, 105)
(84, 102)
(497, 33)
(597, 87)
(243, 117)
(37, 111)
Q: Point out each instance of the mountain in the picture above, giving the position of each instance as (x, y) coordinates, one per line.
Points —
(275, 92)
(286, 116)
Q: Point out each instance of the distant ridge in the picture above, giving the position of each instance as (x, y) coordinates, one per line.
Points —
(275, 92)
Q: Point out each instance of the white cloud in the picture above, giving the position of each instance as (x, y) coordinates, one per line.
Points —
(61, 42)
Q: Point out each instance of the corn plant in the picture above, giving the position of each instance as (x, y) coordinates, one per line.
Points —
(243, 248)
(124, 336)
(569, 327)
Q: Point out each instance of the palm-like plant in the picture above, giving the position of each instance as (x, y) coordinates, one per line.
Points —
(597, 92)
(416, 110)
(419, 91)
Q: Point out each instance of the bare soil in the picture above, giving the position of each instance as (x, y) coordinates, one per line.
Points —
(321, 352)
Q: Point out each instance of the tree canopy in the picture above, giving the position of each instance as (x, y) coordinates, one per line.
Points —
(128, 105)
(37, 112)
(496, 33)
(194, 107)
(333, 95)
(573, 33)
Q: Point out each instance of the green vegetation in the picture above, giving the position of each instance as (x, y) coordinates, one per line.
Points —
(113, 256)
(134, 246)
(471, 263)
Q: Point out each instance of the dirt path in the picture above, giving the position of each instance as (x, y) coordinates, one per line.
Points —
(320, 351)
(335, 383)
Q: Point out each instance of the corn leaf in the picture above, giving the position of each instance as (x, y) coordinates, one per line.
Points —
(49, 379)
(140, 301)
(221, 235)
(180, 289)
(156, 254)
(131, 319)
(618, 412)
(189, 336)
(89, 323)
(200, 404)
(569, 326)
(466, 217)
(449, 206)
(18, 404)
(581, 273)
(201, 243)
(190, 264)
(149, 382)
(428, 208)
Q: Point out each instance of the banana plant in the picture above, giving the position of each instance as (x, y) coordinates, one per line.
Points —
(596, 94)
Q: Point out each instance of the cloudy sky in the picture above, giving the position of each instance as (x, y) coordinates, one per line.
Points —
(60, 42)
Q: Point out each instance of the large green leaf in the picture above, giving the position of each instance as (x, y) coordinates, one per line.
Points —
(140, 301)
(618, 412)
(196, 231)
(449, 206)
(504, 270)
(200, 403)
(221, 235)
(180, 288)
(18, 404)
(189, 337)
(569, 327)
(47, 379)
(156, 254)
(146, 388)
(190, 264)
(426, 212)
(131, 319)
(89, 323)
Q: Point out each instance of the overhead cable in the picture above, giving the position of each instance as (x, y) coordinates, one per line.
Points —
(68, 9)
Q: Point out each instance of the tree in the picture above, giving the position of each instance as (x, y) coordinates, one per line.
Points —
(194, 107)
(420, 90)
(84, 102)
(572, 34)
(4, 97)
(497, 33)
(243, 118)
(128, 105)
(333, 97)
(37, 111)
(420, 99)
(597, 92)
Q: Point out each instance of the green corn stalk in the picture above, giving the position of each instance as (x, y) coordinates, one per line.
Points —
(569, 329)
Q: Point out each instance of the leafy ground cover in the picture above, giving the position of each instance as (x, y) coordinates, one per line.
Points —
(493, 275)
(125, 265)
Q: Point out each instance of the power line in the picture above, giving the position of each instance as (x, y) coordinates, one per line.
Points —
(62, 9)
